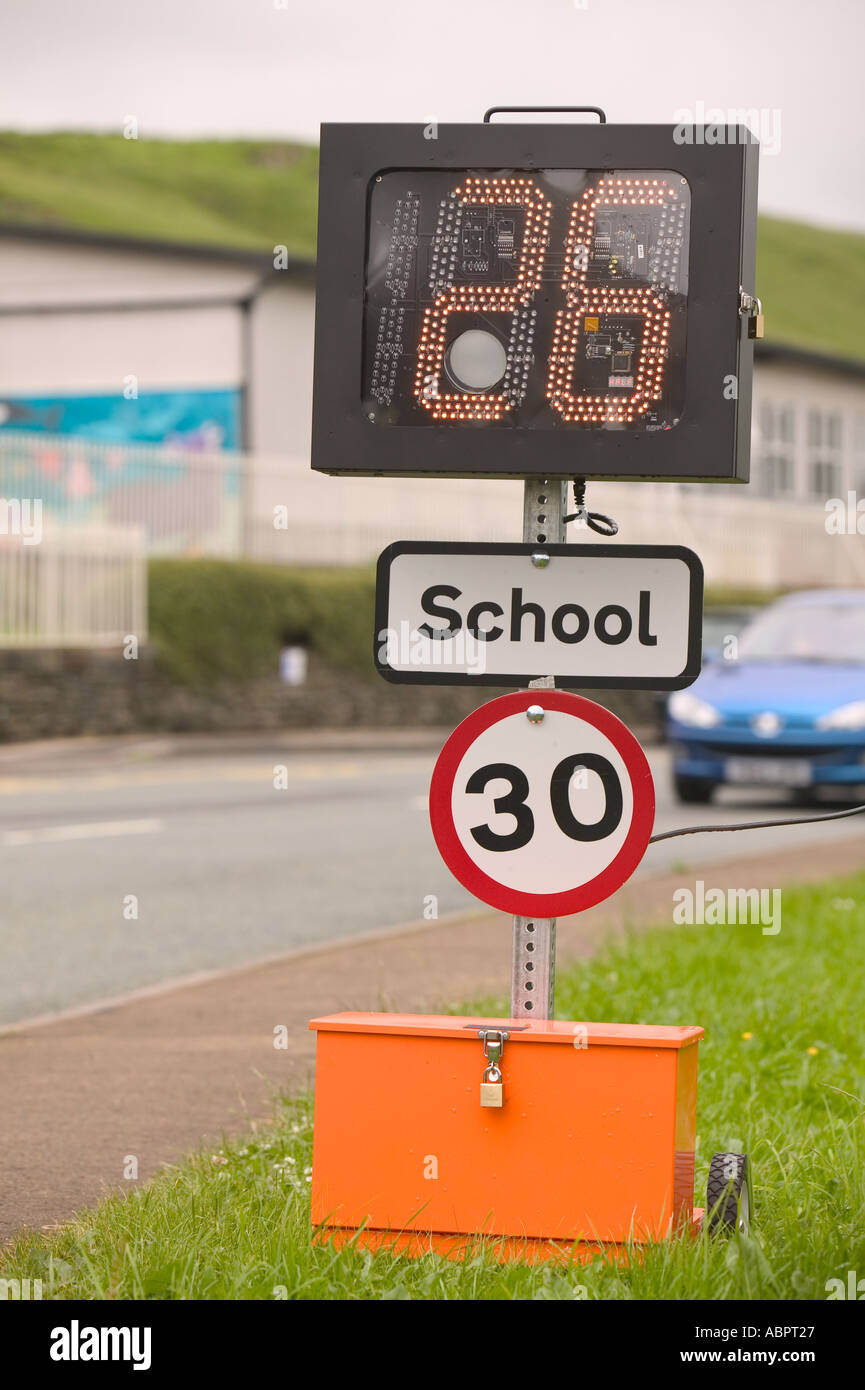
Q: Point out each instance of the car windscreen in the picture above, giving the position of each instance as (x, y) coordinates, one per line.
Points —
(833, 632)
(719, 624)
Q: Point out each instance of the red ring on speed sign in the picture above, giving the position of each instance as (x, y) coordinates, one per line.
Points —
(508, 898)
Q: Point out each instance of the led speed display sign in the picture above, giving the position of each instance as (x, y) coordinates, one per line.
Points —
(465, 331)
(511, 301)
(542, 803)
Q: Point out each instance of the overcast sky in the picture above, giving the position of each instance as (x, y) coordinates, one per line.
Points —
(280, 67)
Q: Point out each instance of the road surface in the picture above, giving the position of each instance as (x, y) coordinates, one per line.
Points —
(131, 862)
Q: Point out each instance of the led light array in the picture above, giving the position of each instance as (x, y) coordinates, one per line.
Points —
(443, 256)
(388, 352)
(450, 405)
(612, 302)
(516, 192)
(521, 358)
(586, 301)
(609, 192)
(403, 242)
(666, 260)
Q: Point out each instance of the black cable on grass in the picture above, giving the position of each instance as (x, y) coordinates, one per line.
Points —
(755, 824)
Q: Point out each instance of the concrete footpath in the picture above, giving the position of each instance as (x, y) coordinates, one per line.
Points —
(153, 1074)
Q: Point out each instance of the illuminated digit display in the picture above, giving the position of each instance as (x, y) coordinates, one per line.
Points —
(490, 304)
(546, 300)
(614, 322)
(500, 309)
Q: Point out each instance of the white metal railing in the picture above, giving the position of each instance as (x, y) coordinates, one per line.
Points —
(744, 541)
(277, 510)
(74, 588)
(186, 503)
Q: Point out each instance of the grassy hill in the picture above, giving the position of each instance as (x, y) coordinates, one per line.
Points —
(254, 194)
(812, 284)
(251, 194)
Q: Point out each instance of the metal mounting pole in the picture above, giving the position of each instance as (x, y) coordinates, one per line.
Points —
(533, 956)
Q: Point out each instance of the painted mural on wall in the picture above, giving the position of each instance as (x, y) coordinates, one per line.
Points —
(198, 420)
(164, 463)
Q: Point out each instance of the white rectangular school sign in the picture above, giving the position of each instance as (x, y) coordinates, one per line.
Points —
(590, 615)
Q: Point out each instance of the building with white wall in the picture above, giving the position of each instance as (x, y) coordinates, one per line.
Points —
(809, 425)
(94, 318)
(143, 342)
(119, 356)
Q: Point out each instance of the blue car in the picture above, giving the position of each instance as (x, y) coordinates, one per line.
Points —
(785, 709)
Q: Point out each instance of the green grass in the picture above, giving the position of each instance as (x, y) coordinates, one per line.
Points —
(250, 194)
(792, 1093)
(255, 194)
(812, 284)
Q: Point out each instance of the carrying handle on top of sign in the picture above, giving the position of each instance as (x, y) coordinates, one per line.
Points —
(519, 110)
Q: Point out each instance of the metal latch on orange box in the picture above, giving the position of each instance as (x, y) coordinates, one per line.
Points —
(492, 1085)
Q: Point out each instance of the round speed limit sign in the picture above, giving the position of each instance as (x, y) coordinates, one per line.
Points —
(542, 803)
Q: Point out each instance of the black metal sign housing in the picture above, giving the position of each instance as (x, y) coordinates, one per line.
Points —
(534, 300)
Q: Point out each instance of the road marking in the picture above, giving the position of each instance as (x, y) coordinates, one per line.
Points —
(179, 776)
(96, 830)
(419, 926)
(261, 773)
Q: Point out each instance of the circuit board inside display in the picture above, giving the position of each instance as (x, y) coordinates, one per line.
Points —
(541, 299)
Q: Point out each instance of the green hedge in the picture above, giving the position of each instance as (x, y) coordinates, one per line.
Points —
(211, 619)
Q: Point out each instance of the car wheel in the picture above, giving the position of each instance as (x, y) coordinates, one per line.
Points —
(729, 1206)
(694, 789)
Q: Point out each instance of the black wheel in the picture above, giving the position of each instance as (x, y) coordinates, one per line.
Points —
(694, 789)
(729, 1205)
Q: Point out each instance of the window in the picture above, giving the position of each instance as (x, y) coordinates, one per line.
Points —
(777, 475)
(824, 429)
(824, 453)
(777, 423)
(775, 471)
(825, 479)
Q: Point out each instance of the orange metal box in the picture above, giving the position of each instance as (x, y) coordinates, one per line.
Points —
(594, 1140)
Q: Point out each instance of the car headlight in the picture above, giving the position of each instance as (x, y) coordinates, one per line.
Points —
(848, 717)
(690, 709)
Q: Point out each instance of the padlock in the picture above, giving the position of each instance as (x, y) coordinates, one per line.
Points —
(492, 1091)
(756, 320)
(494, 1040)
